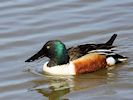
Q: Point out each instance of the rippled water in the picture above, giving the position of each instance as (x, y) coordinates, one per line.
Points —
(25, 25)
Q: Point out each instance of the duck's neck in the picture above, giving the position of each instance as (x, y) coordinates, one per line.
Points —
(59, 57)
(55, 62)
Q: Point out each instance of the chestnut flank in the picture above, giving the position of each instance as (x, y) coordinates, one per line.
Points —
(89, 63)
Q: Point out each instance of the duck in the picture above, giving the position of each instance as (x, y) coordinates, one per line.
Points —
(77, 60)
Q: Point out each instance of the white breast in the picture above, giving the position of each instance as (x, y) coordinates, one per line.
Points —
(67, 69)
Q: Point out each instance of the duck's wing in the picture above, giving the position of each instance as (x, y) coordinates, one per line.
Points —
(108, 45)
(76, 52)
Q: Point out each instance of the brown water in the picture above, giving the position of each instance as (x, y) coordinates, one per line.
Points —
(25, 25)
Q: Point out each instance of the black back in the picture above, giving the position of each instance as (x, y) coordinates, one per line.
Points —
(78, 51)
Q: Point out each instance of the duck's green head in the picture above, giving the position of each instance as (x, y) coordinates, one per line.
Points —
(55, 50)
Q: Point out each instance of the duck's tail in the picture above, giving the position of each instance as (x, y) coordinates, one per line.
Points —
(111, 40)
(115, 58)
(111, 57)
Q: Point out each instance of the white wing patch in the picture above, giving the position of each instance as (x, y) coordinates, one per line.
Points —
(103, 51)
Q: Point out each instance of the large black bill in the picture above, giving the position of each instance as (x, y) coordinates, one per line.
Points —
(37, 56)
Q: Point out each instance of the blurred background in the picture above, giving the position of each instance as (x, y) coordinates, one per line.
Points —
(26, 25)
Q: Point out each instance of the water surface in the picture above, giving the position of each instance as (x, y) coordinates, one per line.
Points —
(25, 25)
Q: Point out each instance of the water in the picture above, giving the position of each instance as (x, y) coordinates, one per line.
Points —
(25, 25)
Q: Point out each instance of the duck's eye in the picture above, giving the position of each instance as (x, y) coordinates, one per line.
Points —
(48, 47)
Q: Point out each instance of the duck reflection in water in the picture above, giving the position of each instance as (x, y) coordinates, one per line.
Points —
(54, 94)
(58, 88)
(52, 88)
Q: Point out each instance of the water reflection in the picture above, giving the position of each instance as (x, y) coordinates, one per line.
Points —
(56, 87)
(54, 94)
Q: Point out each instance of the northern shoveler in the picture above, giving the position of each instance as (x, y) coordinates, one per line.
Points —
(77, 60)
